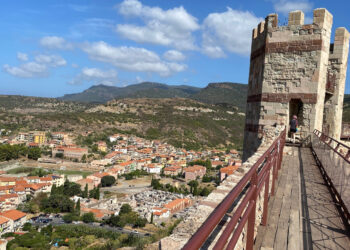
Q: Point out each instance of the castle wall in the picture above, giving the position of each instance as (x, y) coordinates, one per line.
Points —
(336, 75)
(287, 63)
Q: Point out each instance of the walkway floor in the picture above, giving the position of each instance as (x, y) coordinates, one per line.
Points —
(302, 214)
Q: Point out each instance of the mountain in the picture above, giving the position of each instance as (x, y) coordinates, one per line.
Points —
(223, 92)
(102, 93)
(215, 93)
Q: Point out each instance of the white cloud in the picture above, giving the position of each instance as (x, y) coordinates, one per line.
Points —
(285, 7)
(55, 42)
(27, 70)
(96, 76)
(228, 31)
(22, 56)
(172, 27)
(131, 58)
(174, 55)
(37, 68)
(50, 60)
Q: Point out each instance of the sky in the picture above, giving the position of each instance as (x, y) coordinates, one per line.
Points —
(52, 48)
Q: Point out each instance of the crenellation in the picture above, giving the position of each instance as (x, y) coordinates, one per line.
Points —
(294, 65)
(296, 18)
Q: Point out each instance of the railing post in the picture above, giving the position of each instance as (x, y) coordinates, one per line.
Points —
(251, 218)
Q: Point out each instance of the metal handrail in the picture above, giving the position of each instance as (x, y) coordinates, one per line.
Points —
(338, 145)
(257, 177)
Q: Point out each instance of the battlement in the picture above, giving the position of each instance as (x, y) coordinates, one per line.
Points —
(289, 62)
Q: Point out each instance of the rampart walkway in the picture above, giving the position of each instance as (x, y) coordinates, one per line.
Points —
(302, 214)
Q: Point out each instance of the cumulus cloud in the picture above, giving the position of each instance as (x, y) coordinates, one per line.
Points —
(172, 27)
(131, 58)
(37, 68)
(50, 60)
(285, 7)
(96, 76)
(228, 31)
(174, 55)
(55, 42)
(22, 56)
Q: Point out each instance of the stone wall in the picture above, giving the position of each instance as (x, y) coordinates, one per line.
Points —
(336, 75)
(289, 66)
(190, 225)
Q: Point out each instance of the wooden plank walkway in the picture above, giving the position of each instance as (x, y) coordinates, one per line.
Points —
(302, 214)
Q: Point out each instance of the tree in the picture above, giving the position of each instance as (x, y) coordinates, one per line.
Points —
(77, 208)
(125, 209)
(95, 193)
(152, 218)
(34, 153)
(88, 217)
(107, 181)
(193, 184)
(68, 218)
(140, 222)
(57, 203)
(205, 192)
(85, 193)
(83, 159)
(59, 155)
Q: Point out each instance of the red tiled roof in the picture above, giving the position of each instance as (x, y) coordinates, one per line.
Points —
(13, 214)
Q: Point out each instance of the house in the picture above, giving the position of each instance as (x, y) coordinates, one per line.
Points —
(84, 182)
(3, 244)
(160, 213)
(227, 171)
(57, 180)
(214, 164)
(70, 152)
(7, 181)
(102, 146)
(191, 173)
(153, 168)
(17, 218)
(172, 170)
(5, 225)
(178, 205)
(96, 178)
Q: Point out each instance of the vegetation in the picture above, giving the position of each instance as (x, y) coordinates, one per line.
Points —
(13, 152)
(107, 181)
(126, 216)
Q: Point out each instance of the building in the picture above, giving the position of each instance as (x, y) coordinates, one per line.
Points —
(172, 170)
(226, 171)
(102, 146)
(194, 172)
(96, 178)
(178, 205)
(38, 137)
(16, 218)
(70, 152)
(295, 70)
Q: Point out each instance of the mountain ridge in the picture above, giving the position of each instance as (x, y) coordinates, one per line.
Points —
(213, 93)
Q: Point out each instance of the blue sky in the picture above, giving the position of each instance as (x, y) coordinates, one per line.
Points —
(52, 48)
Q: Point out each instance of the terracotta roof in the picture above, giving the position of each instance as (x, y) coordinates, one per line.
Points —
(3, 220)
(175, 203)
(13, 214)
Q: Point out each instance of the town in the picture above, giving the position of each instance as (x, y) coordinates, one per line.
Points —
(59, 178)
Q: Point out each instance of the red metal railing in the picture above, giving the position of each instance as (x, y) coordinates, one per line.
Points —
(340, 148)
(333, 159)
(257, 177)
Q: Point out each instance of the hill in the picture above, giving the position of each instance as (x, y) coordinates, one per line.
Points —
(102, 93)
(178, 121)
(226, 92)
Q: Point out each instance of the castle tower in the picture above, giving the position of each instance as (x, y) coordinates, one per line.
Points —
(288, 75)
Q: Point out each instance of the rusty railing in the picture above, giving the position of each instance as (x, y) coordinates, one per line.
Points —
(333, 159)
(252, 182)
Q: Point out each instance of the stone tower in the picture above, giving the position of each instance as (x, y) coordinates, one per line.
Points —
(294, 70)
